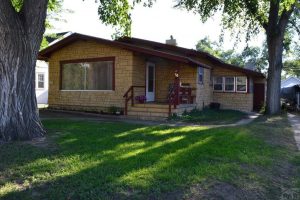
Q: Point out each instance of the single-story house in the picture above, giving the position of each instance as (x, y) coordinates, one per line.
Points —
(290, 82)
(290, 91)
(93, 74)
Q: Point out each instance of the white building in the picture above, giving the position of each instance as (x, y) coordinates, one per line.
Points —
(290, 82)
(290, 90)
(42, 73)
(41, 82)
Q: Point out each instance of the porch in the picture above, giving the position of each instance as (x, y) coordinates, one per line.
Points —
(166, 91)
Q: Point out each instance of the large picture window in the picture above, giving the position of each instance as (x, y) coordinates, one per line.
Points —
(95, 75)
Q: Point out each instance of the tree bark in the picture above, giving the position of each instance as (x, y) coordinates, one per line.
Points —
(20, 37)
(275, 48)
(275, 38)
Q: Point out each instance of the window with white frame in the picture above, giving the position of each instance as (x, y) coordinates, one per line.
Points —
(241, 84)
(40, 81)
(200, 75)
(218, 83)
(229, 84)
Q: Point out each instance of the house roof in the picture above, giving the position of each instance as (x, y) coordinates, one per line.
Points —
(290, 82)
(46, 53)
(189, 53)
(52, 38)
(151, 48)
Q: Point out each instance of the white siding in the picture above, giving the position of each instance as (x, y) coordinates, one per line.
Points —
(42, 93)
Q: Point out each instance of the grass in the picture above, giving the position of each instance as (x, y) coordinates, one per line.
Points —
(90, 160)
(211, 116)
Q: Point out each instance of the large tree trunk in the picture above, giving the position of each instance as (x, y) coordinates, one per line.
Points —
(20, 38)
(275, 49)
(275, 29)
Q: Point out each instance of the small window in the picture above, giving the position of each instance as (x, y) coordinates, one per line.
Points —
(218, 83)
(40, 81)
(200, 75)
(229, 84)
(241, 84)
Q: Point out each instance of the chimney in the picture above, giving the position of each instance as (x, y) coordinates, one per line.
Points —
(171, 41)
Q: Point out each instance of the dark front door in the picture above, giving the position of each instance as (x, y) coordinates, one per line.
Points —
(259, 96)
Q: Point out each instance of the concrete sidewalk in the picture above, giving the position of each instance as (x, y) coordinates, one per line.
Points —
(57, 114)
(295, 122)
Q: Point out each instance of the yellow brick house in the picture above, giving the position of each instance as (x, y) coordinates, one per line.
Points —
(144, 79)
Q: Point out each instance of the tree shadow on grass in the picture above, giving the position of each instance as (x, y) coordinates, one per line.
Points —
(121, 161)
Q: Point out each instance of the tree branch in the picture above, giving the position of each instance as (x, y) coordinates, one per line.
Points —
(293, 23)
(273, 15)
(284, 18)
(6, 10)
(262, 22)
(33, 15)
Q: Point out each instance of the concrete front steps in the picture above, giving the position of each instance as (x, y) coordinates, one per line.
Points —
(156, 112)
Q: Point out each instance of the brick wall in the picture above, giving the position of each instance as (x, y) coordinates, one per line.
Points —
(130, 70)
(90, 100)
(204, 91)
(235, 101)
(165, 77)
(138, 74)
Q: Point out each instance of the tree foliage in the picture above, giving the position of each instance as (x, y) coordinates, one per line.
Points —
(292, 65)
(54, 13)
(243, 16)
(249, 56)
(118, 13)
(279, 19)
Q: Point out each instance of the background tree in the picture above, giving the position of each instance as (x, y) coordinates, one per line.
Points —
(254, 56)
(276, 17)
(291, 66)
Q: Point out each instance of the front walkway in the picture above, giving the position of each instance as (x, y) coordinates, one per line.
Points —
(295, 122)
(57, 114)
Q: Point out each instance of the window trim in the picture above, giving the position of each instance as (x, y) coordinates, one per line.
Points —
(198, 74)
(246, 84)
(234, 84)
(37, 80)
(218, 84)
(112, 59)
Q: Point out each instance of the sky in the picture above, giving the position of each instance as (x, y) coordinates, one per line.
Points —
(156, 24)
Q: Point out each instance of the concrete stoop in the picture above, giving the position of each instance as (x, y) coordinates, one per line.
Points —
(156, 111)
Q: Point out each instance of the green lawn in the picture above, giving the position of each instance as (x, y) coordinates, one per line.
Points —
(93, 160)
(210, 116)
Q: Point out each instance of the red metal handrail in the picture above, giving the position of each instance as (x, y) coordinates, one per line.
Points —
(176, 94)
(131, 97)
(173, 98)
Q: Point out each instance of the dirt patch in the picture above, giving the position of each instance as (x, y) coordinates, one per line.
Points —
(2, 142)
(216, 190)
(38, 142)
(281, 137)
(44, 142)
